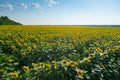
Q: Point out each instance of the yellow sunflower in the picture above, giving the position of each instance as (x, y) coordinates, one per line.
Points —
(64, 62)
(80, 73)
(72, 64)
(48, 66)
(14, 75)
(42, 65)
(25, 68)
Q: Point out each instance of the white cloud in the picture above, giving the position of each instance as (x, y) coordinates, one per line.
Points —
(7, 6)
(23, 5)
(52, 2)
(36, 5)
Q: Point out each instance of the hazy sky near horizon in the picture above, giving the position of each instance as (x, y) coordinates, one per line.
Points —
(62, 12)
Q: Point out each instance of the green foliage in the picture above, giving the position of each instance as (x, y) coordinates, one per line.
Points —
(8, 63)
(4, 20)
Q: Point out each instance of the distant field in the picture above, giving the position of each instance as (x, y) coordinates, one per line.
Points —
(59, 53)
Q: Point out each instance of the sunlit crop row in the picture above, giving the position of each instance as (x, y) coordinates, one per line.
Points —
(59, 53)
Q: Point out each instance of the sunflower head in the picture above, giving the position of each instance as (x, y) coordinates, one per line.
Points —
(105, 54)
(25, 44)
(22, 52)
(91, 48)
(54, 63)
(34, 65)
(72, 64)
(25, 68)
(91, 55)
(48, 66)
(42, 65)
(86, 60)
(14, 75)
(108, 48)
(64, 62)
(13, 48)
(99, 50)
(70, 45)
(29, 48)
(80, 73)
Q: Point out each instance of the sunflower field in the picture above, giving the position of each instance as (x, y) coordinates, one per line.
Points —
(59, 53)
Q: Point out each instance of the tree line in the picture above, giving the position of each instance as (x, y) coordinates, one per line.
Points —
(4, 20)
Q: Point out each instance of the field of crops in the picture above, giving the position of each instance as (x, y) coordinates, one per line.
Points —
(59, 53)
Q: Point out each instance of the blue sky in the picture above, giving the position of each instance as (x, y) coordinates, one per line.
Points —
(62, 12)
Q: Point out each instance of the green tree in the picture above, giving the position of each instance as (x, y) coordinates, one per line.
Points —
(4, 20)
